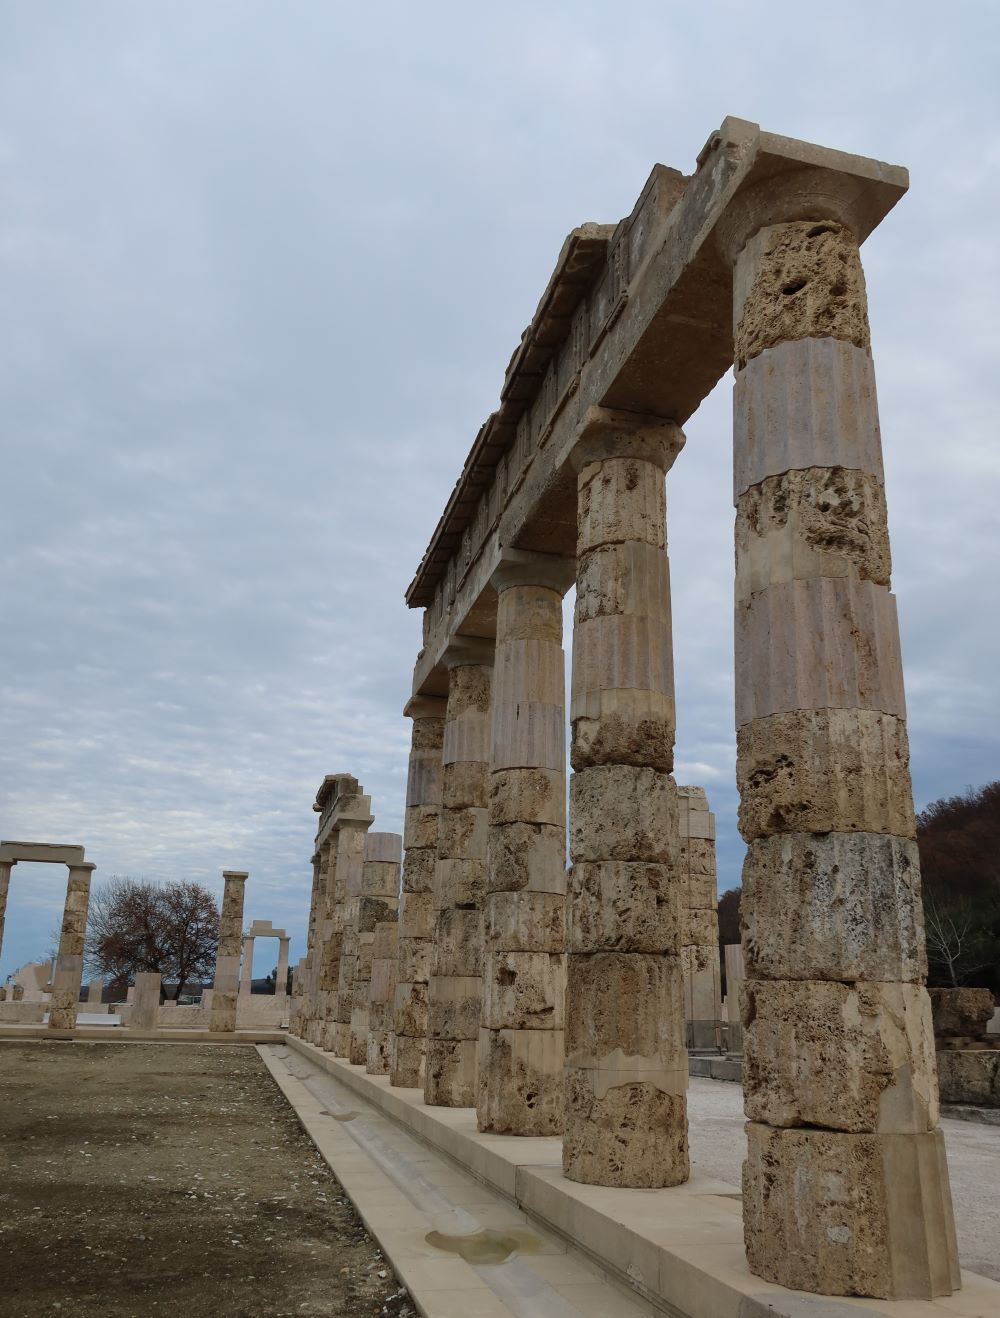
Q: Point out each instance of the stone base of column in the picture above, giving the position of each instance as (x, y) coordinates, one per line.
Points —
(452, 1072)
(521, 1081)
(359, 1030)
(845, 1214)
(223, 1017)
(406, 1066)
(633, 1135)
(337, 1038)
(62, 1009)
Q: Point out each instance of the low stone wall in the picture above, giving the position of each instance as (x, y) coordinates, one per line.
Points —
(13, 1013)
(970, 1075)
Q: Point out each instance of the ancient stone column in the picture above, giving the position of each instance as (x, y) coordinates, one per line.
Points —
(626, 1063)
(420, 839)
(5, 868)
(455, 991)
(382, 995)
(351, 840)
(307, 973)
(281, 976)
(227, 959)
(699, 919)
(68, 971)
(377, 903)
(146, 1003)
(246, 967)
(325, 972)
(524, 974)
(845, 1186)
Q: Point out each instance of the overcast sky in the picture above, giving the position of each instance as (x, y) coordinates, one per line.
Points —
(261, 269)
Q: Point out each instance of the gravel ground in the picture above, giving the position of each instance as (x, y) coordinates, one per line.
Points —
(718, 1147)
(171, 1179)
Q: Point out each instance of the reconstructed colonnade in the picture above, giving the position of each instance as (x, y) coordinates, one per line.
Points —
(577, 979)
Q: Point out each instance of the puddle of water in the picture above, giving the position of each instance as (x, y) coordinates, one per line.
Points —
(486, 1245)
(339, 1116)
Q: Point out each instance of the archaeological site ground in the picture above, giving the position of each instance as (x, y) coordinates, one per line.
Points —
(512, 1047)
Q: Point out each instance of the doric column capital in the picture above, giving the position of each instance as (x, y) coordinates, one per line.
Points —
(236, 876)
(523, 567)
(608, 432)
(420, 707)
(464, 651)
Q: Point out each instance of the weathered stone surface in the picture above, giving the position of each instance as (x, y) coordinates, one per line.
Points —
(427, 734)
(623, 906)
(844, 1214)
(527, 856)
(698, 891)
(824, 771)
(624, 1019)
(380, 878)
(633, 1135)
(526, 922)
(462, 834)
(411, 1010)
(796, 281)
(407, 1060)
(459, 942)
(420, 827)
(466, 785)
(414, 960)
(630, 578)
(969, 1075)
(618, 725)
(620, 812)
(416, 915)
(850, 1057)
(451, 1078)
(523, 990)
(529, 613)
(696, 856)
(454, 1006)
(620, 499)
(826, 643)
(520, 1082)
(418, 869)
(822, 522)
(699, 924)
(372, 911)
(964, 1012)
(836, 906)
(529, 715)
(535, 796)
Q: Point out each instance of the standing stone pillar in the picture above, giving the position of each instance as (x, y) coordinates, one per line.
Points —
(281, 975)
(524, 975)
(626, 1063)
(329, 926)
(68, 973)
(699, 920)
(420, 839)
(351, 841)
(845, 1187)
(246, 968)
(377, 903)
(456, 985)
(5, 868)
(146, 1004)
(382, 996)
(227, 959)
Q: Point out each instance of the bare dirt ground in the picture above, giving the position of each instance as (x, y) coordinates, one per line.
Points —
(171, 1179)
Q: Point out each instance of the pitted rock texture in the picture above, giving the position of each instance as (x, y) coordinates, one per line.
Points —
(806, 282)
(628, 1003)
(970, 1075)
(623, 906)
(529, 613)
(428, 734)
(466, 784)
(629, 578)
(824, 521)
(823, 771)
(526, 922)
(520, 1082)
(407, 1061)
(635, 1135)
(534, 796)
(451, 1073)
(851, 1057)
(523, 990)
(418, 868)
(459, 882)
(411, 1010)
(836, 906)
(620, 499)
(963, 1012)
(621, 812)
(526, 856)
(458, 942)
(454, 1008)
(462, 834)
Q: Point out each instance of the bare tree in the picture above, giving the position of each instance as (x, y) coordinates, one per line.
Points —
(954, 940)
(136, 927)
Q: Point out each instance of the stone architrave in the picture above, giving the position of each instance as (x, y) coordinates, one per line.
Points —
(68, 971)
(376, 903)
(146, 1003)
(699, 920)
(382, 996)
(839, 1071)
(227, 960)
(420, 840)
(626, 1062)
(455, 989)
(521, 1040)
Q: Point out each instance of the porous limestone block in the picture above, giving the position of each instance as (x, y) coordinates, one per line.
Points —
(451, 1078)
(363, 968)
(699, 925)
(527, 613)
(407, 1060)
(964, 1012)
(625, 578)
(410, 1016)
(423, 786)
(414, 960)
(462, 834)
(845, 1214)
(849, 1057)
(526, 922)
(621, 812)
(420, 827)
(454, 1006)
(618, 500)
(458, 942)
(699, 892)
(358, 1050)
(835, 906)
(824, 771)
(625, 1020)
(372, 911)
(416, 915)
(696, 855)
(531, 796)
(523, 990)
(632, 1135)
(427, 734)
(337, 1039)
(386, 937)
(418, 869)
(821, 522)
(382, 986)
(623, 906)
(526, 856)
(459, 883)
(466, 785)
(969, 1075)
(520, 1082)
(621, 726)
(379, 1039)
(469, 688)
(380, 879)
(529, 713)
(798, 280)
(826, 643)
